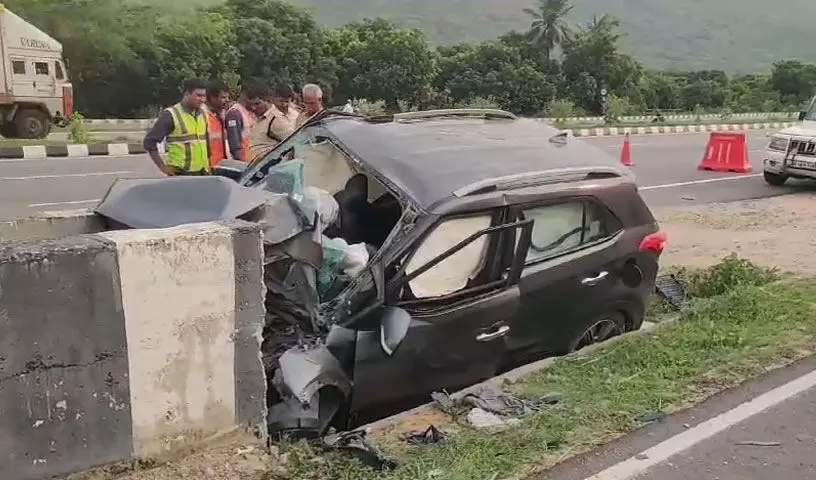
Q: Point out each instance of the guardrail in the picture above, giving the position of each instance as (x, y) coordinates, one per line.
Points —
(146, 123)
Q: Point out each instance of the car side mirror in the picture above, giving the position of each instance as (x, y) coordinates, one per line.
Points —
(394, 325)
(232, 169)
(802, 116)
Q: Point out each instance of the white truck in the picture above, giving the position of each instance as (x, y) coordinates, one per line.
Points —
(35, 91)
(791, 153)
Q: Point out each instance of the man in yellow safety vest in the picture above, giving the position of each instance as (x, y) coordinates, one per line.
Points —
(183, 127)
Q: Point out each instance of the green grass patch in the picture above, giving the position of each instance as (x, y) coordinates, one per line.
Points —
(719, 342)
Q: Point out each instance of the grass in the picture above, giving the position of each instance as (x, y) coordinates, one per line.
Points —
(744, 327)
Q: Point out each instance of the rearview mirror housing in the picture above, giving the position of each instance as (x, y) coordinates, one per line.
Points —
(394, 325)
(232, 169)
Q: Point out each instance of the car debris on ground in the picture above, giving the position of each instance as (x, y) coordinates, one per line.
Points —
(492, 409)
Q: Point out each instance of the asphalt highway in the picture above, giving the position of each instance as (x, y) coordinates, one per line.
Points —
(665, 168)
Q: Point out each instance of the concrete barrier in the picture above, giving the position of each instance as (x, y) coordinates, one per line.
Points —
(51, 225)
(126, 344)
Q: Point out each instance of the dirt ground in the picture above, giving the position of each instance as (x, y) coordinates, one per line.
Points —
(778, 232)
(775, 232)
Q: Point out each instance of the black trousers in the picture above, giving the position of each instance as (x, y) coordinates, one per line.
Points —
(183, 173)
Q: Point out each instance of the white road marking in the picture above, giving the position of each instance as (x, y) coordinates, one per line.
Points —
(54, 204)
(661, 452)
(57, 159)
(698, 182)
(67, 175)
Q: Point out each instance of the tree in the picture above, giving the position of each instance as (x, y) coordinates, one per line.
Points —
(550, 28)
(659, 91)
(497, 71)
(794, 80)
(200, 47)
(592, 62)
(279, 44)
(379, 61)
(752, 93)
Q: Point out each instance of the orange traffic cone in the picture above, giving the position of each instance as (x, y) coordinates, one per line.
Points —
(626, 153)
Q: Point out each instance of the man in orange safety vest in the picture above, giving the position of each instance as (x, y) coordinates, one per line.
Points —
(240, 119)
(218, 97)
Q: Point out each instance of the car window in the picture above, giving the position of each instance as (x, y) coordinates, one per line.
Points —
(325, 165)
(41, 68)
(58, 71)
(18, 67)
(454, 272)
(563, 227)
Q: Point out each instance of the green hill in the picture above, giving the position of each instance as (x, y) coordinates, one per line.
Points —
(733, 35)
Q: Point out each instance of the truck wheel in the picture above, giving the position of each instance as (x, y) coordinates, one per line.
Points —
(774, 179)
(32, 124)
(8, 130)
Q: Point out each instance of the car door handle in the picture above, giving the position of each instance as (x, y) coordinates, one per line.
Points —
(591, 281)
(498, 333)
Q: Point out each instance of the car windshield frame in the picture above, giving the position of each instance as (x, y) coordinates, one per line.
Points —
(301, 136)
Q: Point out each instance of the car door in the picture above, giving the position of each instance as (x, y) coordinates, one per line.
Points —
(462, 302)
(572, 274)
(22, 77)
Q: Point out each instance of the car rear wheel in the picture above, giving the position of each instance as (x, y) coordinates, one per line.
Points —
(597, 331)
(774, 179)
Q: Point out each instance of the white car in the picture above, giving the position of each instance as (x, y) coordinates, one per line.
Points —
(791, 153)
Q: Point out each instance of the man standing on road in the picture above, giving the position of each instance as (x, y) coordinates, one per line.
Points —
(184, 129)
(276, 123)
(218, 97)
(313, 101)
(241, 119)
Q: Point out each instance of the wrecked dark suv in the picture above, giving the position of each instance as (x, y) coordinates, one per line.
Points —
(432, 250)
(493, 241)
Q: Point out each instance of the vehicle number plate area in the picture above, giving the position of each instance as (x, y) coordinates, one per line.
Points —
(802, 164)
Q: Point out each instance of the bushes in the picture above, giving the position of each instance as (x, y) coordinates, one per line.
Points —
(732, 272)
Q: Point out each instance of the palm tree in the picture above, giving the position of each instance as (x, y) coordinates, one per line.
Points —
(550, 28)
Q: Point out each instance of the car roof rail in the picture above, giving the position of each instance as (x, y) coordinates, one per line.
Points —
(488, 113)
(541, 177)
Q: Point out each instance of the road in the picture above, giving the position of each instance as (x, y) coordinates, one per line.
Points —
(763, 430)
(665, 168)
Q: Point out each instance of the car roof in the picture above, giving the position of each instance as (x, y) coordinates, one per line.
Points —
(431, 158)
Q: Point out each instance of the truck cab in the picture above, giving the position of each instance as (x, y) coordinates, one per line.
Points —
(791, 152)
(35, 91)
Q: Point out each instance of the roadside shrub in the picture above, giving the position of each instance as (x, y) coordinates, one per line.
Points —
(77, 130)
(619, 107)
(730, 273)
(560, 110)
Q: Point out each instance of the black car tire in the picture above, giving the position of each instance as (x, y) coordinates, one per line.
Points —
(597, 331)
(774, 179)
(32, 124)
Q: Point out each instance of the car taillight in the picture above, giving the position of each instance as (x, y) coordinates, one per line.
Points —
(655, 242)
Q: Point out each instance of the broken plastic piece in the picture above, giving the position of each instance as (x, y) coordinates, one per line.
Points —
(357, 444)
(429, 436)
(505, 404)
